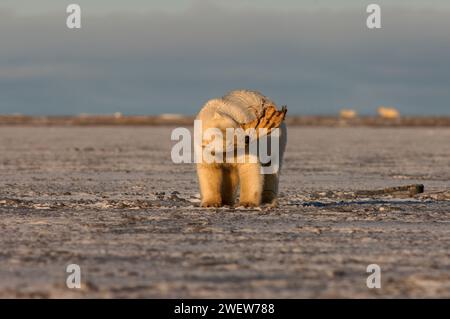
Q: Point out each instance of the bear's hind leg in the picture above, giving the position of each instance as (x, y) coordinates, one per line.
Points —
(270, 189)
(271, 181)
(229, 185)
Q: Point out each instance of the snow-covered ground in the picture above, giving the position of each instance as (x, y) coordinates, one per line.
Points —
(110, 200)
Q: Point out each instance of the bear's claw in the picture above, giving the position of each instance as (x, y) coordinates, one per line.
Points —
(210, 204)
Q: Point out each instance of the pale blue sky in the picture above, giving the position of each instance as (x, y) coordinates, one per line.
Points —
(149, 57)
(106, 6)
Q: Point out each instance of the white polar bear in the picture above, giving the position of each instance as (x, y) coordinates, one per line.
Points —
(219, 181)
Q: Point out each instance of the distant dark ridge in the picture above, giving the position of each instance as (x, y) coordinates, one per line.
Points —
(372, 121)
(94, 120)
(178, 120)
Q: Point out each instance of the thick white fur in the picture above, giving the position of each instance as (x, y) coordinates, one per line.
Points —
(219, 181)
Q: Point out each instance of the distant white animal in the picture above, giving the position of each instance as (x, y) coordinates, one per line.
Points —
(348, 114)
(219, 181)
(388, 112)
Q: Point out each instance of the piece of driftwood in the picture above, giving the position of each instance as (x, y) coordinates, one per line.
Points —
(412, 190)
(270, 118)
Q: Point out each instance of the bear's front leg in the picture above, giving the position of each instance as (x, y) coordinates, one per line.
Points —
(210, 179)
(251, 182)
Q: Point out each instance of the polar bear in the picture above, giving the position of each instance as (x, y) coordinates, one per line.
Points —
(219, 182)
